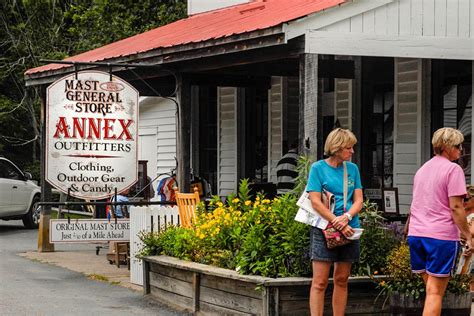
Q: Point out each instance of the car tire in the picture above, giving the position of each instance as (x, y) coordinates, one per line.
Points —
(31, 219)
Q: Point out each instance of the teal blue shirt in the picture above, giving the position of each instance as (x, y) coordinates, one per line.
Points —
(322, 176)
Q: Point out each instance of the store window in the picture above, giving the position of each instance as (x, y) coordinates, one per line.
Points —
(207, 168)
(255, 132)
(452, 102)
(376, 144)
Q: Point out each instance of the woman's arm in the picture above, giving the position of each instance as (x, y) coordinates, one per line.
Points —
(358, 201)
(459, 217)
(318, 205)
(341, 221)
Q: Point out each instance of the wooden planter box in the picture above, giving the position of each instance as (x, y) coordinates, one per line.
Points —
(207, 290)
(453, 305)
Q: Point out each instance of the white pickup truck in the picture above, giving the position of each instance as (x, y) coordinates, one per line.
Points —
(18, 195)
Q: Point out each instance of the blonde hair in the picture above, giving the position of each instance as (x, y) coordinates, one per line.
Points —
(446, 138)
(338, 139)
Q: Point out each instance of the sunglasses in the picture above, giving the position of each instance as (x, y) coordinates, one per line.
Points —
(459, 146)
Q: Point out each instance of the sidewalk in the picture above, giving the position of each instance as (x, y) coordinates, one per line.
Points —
(88, 263)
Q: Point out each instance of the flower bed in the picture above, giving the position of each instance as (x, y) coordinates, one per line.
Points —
(207, 290)
(260, 237)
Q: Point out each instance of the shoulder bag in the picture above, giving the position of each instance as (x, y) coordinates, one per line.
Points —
(335, 238)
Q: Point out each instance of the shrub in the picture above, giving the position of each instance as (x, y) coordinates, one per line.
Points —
(258, 237)
(403, 281)
(378, 239)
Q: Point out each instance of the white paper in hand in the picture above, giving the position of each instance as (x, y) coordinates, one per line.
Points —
(357, 233)
(307, 215)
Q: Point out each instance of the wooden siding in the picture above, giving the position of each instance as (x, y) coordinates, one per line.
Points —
(158, 116)
(227, 140)
(343, 102)
(407, 127)
(402, 28)
(440, 18)
(275, 128)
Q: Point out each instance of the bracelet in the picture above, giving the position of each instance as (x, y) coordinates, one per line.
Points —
(348, 215)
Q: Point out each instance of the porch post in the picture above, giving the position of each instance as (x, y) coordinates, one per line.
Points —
(183, 95)
(308, 112)
(43, 231)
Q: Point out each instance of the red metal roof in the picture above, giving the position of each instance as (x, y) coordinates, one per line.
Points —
(215, 24)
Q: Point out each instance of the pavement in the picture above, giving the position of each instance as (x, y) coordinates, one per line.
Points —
(93, 266)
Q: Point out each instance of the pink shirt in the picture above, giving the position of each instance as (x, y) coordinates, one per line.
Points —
(436, 181)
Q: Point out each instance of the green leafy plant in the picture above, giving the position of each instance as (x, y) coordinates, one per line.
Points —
(403, 281)
(376, 242)
(303, 167)
(258, 236)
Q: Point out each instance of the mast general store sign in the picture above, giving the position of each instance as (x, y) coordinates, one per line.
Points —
(92, 134)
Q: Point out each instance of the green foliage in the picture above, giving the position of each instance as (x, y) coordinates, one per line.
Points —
(31, 30)
(95, 23)
(258, 237)
(303, 168)
(376, 242)
(34, 169)
(402, 280)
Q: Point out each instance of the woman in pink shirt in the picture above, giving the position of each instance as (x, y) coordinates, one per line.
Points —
(437, 217)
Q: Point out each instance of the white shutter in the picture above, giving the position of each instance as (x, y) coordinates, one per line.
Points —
(407, 130)
(275, 128)
(227, 140)
(343, 102)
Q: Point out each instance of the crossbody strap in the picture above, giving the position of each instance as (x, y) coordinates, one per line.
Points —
(345, 186)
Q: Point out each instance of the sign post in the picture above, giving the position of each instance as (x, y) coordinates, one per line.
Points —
(91, 141)
(91, 135)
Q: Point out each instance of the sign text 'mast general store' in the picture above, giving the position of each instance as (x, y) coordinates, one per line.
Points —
(92, 134)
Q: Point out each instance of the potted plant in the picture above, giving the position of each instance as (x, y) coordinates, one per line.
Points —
(406, 290)
(378, 239)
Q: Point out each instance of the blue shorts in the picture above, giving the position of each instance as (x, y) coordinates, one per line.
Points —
(434, 256)
(319, 251)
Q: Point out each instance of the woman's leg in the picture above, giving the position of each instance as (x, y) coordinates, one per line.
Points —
(318, 286)
(342, 270)
(435, 288)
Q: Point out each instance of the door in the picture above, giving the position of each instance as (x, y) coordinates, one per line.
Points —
(19, 192)
(5, 189)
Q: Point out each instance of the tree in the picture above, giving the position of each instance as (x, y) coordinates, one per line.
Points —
(31, 30)
(99, 22)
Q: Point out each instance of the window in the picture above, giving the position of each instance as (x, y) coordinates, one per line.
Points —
(376, 145)
(256, 134)
(9, 172)
(452, 102)
(208, 135)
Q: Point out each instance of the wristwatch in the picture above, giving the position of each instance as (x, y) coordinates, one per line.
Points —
(348, 215)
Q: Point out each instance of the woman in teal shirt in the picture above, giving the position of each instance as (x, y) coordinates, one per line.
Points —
(328, 175)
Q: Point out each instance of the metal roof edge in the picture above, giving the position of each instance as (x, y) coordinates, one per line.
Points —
(49, 76)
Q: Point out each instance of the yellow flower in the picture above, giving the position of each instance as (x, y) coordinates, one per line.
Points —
(217, 230)
(265, 201)
(257, 222)
(201, 236)
(236, 200)
(257, 203)
(258, 198)
(247, 203)
(219, 204)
